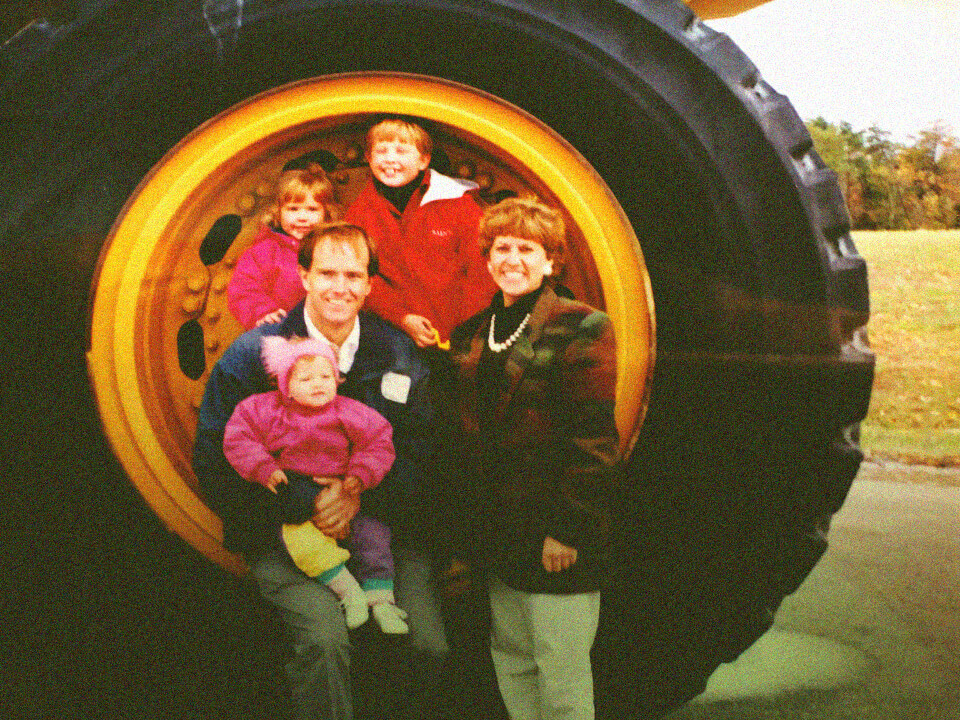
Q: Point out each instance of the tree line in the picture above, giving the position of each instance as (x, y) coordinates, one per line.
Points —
(890, 185)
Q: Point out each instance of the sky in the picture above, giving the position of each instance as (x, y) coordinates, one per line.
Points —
(890, 63)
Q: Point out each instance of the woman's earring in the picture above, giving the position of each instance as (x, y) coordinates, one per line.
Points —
(548, 268)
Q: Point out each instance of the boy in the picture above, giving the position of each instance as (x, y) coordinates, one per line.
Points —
(432, 274)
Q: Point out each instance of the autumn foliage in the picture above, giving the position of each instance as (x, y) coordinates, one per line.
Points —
(890, 185)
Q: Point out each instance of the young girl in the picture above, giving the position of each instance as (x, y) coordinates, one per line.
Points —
(304, 427)
(265, 283)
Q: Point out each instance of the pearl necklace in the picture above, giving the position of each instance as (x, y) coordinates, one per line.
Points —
(500, 347)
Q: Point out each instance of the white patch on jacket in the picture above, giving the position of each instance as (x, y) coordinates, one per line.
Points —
(444, 187)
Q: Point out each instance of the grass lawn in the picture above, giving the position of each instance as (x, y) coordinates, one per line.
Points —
(915, 332)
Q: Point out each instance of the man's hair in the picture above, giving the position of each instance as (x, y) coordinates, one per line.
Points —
(339, 233)
(298, 185)
(402, 129)
(525, 219)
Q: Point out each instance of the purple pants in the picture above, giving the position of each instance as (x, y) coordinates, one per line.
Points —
(370, 545)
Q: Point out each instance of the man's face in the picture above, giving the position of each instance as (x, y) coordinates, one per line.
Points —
(336, 284)
(396, 163)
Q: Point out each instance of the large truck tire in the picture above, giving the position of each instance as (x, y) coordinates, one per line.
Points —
(741, 299)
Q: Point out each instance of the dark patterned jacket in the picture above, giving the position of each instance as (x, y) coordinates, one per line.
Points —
(545, 462)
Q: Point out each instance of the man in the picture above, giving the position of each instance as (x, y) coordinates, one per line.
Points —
(381, 368)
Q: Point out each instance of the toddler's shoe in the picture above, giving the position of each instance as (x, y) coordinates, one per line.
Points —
(355, 607)
(390, 618)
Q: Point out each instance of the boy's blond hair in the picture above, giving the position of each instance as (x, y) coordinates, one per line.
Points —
(402, 130)
(298, 185)
(525, 219)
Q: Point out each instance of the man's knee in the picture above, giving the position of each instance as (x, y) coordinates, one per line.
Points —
(324, 637)
(309, 612)
(317, 653)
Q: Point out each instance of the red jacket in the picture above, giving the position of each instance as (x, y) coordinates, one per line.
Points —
(430, 262)
(266, 278)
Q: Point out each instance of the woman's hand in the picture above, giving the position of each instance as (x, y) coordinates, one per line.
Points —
(335, 507)
(420, 329)
(557, 556)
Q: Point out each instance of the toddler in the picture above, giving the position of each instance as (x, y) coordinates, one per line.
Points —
(305, 428)
(265, 284)
(432, 275)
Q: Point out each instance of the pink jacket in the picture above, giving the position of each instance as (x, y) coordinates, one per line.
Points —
(344, 437)
(429, 253)
(265, 278)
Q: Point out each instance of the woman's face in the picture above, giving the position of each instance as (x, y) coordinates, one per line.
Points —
(518, 266)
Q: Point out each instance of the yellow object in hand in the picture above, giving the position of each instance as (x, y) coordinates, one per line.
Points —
(442, 344)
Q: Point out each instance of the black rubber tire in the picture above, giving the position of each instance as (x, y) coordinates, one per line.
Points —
(762, 369)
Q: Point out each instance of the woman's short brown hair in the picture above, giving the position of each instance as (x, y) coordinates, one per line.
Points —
(526, 219)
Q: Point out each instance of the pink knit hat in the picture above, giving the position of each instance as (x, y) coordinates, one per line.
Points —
(280, 354)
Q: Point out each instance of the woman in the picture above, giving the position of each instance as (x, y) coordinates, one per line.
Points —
(532, 401)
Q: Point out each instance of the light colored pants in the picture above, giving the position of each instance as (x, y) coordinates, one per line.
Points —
(540, 646)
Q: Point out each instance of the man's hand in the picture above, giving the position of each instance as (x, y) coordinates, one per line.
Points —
(420, 329)
(270, 318)
(335, 507)
(352, 485)
(557, 556)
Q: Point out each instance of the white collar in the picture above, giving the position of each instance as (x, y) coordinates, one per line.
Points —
(443, 187)
(346, 352)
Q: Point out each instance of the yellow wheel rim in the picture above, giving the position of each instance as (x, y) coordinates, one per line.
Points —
(147, 260)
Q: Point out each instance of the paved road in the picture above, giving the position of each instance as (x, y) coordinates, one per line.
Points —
(874, 632)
